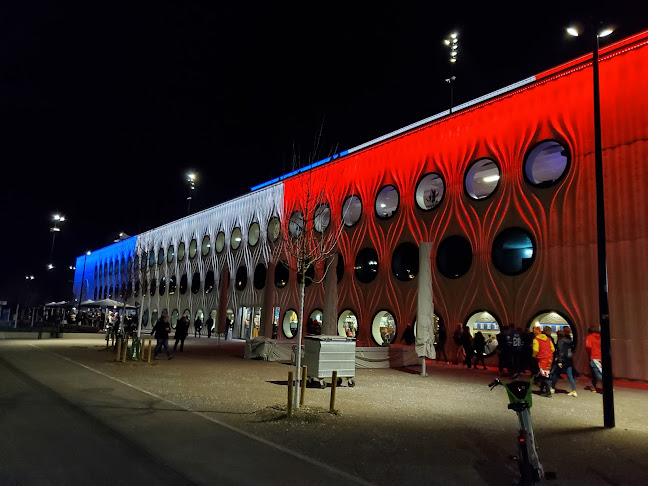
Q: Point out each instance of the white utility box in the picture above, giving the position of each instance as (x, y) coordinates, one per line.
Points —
(325, 354)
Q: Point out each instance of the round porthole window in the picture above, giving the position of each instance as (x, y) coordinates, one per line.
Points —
(172, 285)
(546, 163)
(209, 281)
(153, 287)
(454, 256)
(195, 283)
(485, 323)
(181, 251)
(170, 253)
(290, 324)
(430, 191)
(560, 327)
(162, 285)
(482, 178)
(274, 228)
(260, 273)
(281, 276)
(253, 234)
(387, 202)
(183, 284)
(383, 328)
(405, 261)
(241, 277)
(348, 324)
(160, 259)
(366, 265)
(351, 210)
(237, 236)
(513, 251)
(206, 246)
(151, 259)
(296, 224)
(322, 217)
(193, 249)
(174, 318)
(220, 242)
(145, 318)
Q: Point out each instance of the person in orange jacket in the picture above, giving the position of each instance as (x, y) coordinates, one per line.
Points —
(593, 347)
(543, 352)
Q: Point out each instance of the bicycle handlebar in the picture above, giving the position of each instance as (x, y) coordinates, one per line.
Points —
(494, 383)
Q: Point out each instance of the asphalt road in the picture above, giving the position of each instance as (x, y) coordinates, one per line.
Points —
(62, 423)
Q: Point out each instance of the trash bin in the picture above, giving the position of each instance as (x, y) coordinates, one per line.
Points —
(325, 354)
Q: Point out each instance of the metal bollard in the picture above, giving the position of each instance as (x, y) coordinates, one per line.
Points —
(290, 393)
(303, 386)
(333, 388)
(149, 352)
(125, 350)
(118, 350)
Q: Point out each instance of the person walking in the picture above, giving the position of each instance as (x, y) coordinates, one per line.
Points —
(467, 345)
(181, 332)
(515, 350)
(456, 337)
(441, 342)
(161, 330)
(408, 335)
(479, 344)
(502, 350)
(198, 326)
(543, 352)
(210, 325)
(564, 360)
(593, 347)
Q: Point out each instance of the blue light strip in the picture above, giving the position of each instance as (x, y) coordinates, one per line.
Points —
(400, 131)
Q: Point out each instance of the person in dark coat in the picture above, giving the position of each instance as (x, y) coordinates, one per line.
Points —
(161, 331)
(209, 324)
(479, 344)
(181, 332)
(442, 337)
(564, 362)
(198, 326)
(467, 345)
(408, 335)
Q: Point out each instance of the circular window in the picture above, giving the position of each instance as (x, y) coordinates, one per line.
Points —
(160, 256)
(220, 242)
(430, 191)
(454, 256)
(183, 284)
(339, 269)
(296, 224)
(485, 323)
(513, 251)
(253, 234)
(482, 178)
(366, 265)
(546, 163)
(351, 210)
(170, 253)
(290, 324)
(241, 277)
(405, 261)
(195, 283)
(153, 287)
(186, 313)
(557, 323)
(162, 285)
(281, 275)
(237, 236)
(387, 202)
(322, 217)
(274, 228)
(174, 318)
(314, 323)
(145, 318)
(172, 285)
(310, 275)
(348, 324)
(383, 328)
(193, 249)
(206, 246)
(151, 260)
(260, 273)
(154, 317)
(181, 251)
(137, 289)
(209, 281)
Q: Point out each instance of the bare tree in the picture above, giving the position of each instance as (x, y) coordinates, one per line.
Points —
(307, 237)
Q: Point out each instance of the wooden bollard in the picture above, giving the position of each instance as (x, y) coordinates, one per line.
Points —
(125, 350)
(118, 350)
(291, 377)
(149, 352)
(302, 391)
(333, 388)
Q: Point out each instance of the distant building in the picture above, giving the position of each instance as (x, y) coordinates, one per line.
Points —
(503, 188)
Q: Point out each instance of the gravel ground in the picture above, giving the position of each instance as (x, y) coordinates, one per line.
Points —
(395, 427)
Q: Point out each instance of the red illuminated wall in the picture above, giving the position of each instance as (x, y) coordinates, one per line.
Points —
(561, 218)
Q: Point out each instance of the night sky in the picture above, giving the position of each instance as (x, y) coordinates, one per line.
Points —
(106, 106)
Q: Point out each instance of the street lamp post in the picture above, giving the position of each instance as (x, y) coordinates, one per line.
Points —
(604, 312)
(191, 179)
(453, 43)
(57, 218)
(85, 257)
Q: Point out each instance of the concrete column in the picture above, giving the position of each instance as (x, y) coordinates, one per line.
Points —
(222, 300)
(329, 321)
(268, 303)
(425, 306)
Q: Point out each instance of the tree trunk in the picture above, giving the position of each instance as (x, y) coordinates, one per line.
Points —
(300, 326)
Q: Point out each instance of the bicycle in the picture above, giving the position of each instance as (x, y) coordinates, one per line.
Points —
(520, 401)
